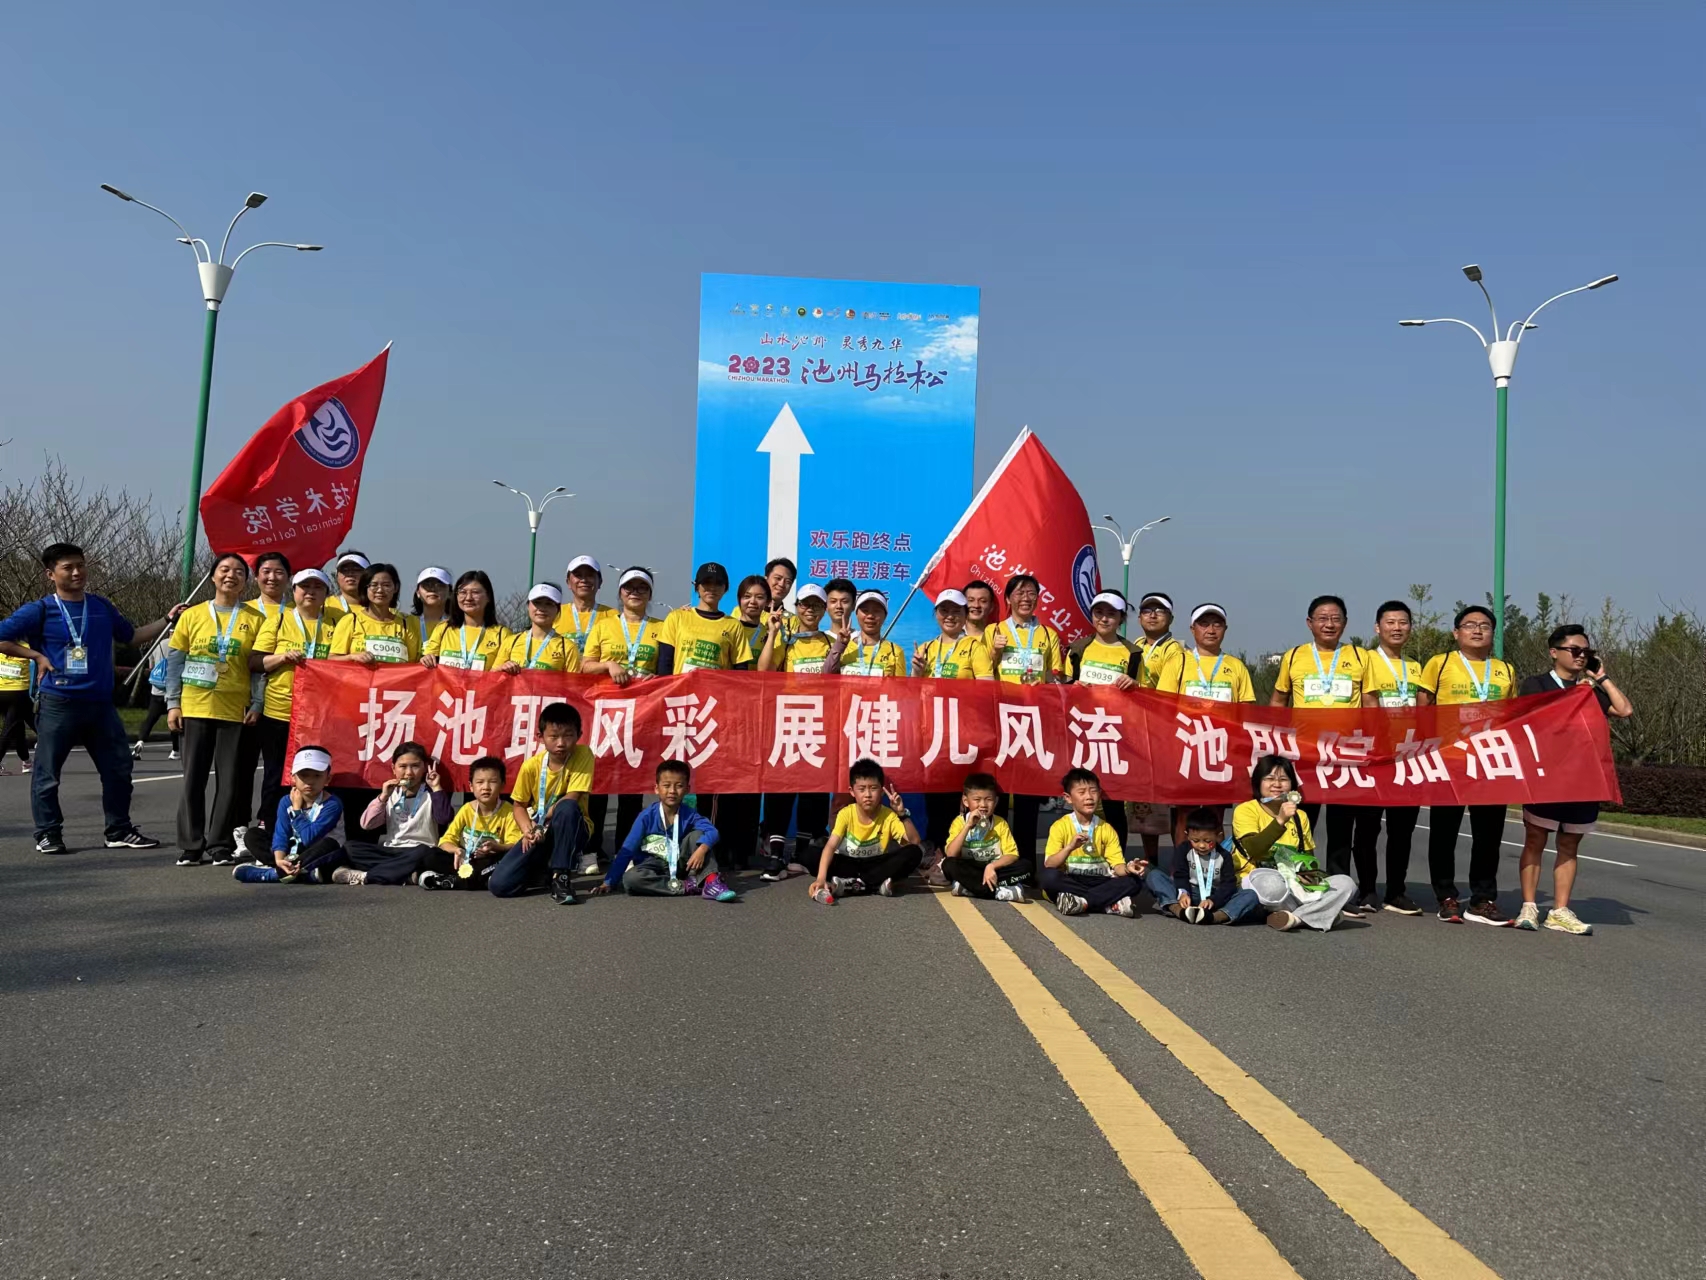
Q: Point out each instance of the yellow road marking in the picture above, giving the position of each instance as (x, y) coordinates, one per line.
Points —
(1216, 1235)
(1410, 1237)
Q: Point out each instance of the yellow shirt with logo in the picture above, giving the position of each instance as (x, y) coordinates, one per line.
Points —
(1386, 678)
(967, 658)
(994, 841)
(281, 634)
(705, 644)
(1307, 685)
(577, 623)
(1100, 663)
(885, 658)
(1101, 856)
(574, 776)
(14, 674)
(485, 646)
(208, 692)
(555, 652)
(1156, 655)
(1252, 817)
(1219, 679)
(1031, 653)
(607, 642)
(470, 828)
(806, 653)
(860, 839)
(395, 641)
(1447, 677)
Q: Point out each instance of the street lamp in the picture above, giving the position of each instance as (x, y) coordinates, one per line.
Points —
(1501, 356)
(533, 514)
(1126, 544)
(215, 276)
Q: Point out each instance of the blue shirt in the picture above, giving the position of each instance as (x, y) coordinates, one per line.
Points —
(41, 625)
(299, 828)
(650, 823)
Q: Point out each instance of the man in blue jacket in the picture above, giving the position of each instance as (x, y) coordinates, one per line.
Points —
(69, 635)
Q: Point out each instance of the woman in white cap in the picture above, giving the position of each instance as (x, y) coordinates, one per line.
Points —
(431, 605)
(1105, 657)
(802, 650)
(623, 644)
(373, 633)
(952, 655)
(583, 577)
(471, 638)
(1204, 672)
(864, 652)
(541, 647)
(347, 569)
(299, 634)
(1025, 651)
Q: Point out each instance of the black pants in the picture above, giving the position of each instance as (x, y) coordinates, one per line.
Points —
(810, 811)
(1100, 892)
(1021, 814)
(156, 712)
(1340, 835)
(1113, 813)
(1400, 828)
(1486, 830)
(212, 746)
(893, 864)
(736, 821)
(19, 714)
(968, 874)
(268, 740)
(355, 801)
(940, 810)
(325, 853)
(597, 808)
(397, 863)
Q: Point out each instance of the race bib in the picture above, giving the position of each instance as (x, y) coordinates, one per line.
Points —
(1085, 863)
(1392, 698)
(459, 661)
(1098, 673)
(1021, 662)
(1328, 688)
(807, 666)
(853, 847)
(1211, 692)
(14, 669)
(982, 844)
(203, 673)
(702, 655)
(386, 648)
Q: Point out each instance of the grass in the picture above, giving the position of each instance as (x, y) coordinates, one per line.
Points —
(1689, 826)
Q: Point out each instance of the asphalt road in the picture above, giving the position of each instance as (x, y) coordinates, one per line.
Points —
(211, 1079)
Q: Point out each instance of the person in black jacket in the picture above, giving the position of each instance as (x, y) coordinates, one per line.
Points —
(1194, 882)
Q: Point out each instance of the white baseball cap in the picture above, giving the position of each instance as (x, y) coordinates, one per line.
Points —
(1161, 598)
(545, 591)
(869, 597)
(312, 575)
(311, 758)
(630, 575)
(1113, 599)
(1202, 610)
(951, 596)
(432, 573)
(353, 557)
(811, 591)
(584, 562)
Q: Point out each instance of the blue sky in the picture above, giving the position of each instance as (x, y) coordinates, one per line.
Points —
(1194, 233)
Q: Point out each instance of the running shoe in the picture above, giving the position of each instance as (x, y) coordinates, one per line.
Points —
(136, 751)
(252, 874)
(1368, 905)
(1485, 912)
(563, 889)
(1450, 912)
(433, 880)
(239, 837)
(1403, 906)
(1563, 920)
(1122, 908)
(716, 890)
(52, 842)
(1070, 904)
(189, 860)
(960, 891)
(1284, 921)
(1011, 893)
(226, 858)
(886, 888)
(132, 839)
(173, 755)
(349, 875)
(1193, 914)
(1529, 917)
(845, 886)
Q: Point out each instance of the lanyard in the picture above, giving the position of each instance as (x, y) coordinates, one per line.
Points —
(528, 648)
(1331, 671)
(75, 632)
(1202, 873)
(402, 803)
(1218, 659)
(936, 663)
(672, 841)
(479, 639)
(579, 632)
(1400, 673)
(1030, 635)
(634, 642)
(859, 658)
(1089, 832)
(546, 799)
(222, 639)
(296, 815)
(314, 644)
(1482, 687)
(261, 603)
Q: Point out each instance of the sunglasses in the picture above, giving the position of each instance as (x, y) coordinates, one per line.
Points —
(1575, 651)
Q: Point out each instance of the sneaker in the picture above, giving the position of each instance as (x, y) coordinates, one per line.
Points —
(239, 837)
(133, 839)
(1003, 892)
(173, 755)
(886, 888)
(1122, 908)
(776, 869)
(26, 767)
(1070, 904)
(1353, 907)
(433, 880)
(52, 842)
(1192, 914)
(589, 865)
(1368, 905)
(252, 874)
(717, 891)
(1487, 913)
(1450, 912)
(960, 891)
(846, 886)
(136, 751)
(1563, 920)
(1529, 917)
(189, 860)
(563, 889)
(1403, 906)
(349, 875)
(1284, 921)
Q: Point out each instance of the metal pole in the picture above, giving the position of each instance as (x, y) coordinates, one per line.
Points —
(532, 554)
(1503, 394)
(1125, 588)
(186, 572)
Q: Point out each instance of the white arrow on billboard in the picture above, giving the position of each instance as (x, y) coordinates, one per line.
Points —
(785, 443)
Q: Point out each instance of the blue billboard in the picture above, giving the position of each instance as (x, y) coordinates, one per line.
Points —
(836, 426)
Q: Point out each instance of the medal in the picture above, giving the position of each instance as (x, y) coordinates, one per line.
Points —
(77, 653)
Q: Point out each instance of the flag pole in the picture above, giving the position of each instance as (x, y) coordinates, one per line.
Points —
(163, 638)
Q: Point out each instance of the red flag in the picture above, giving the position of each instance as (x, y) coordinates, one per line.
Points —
(1027, 518)
(293, 487)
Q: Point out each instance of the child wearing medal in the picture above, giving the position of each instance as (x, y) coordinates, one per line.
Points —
(484, 829)
(864, 652)
(373, 633)
(1392, 681)
(411, 809)
(1084, 868)
(549, 800)
(304, 844)
(980, 859)
(301, 633)
(1198, 885)
(874, 846)
(669, 851)
(805, 652)
(210, 696)
(541, 647)
(471, 638)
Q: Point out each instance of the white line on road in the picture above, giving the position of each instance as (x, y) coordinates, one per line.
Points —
(164, 777)
(1612, 835)
(1585, 857)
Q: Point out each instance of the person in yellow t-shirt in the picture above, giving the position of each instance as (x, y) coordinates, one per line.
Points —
(210, 697)
(980, 607)
(549, 799)
(953, 655)
(1155, 617)
(484, 829)
(301, 633)
(470, 638)
(373, 633)
(704, 638)
(864, 652)
(541, 647)
(1025, 651)
(1105, 657)
(874, 846)
(1204, 671)
(584, 577)
(1392, 681)
(623, 645)
(1470, 675)
(804, 652)
(430, 608)
(1084, 868)
(980, 859)
(15, 701)
(347, 569)
(1274, 853)
(753, 606)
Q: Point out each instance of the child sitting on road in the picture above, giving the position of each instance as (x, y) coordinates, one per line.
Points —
(1197, 885)
(1275, 853)
(304, 844)
(550, 807)
(411, 809)
(873, 846)
(484, 829)
(668, 851)
(1084, 868)
(980, 859)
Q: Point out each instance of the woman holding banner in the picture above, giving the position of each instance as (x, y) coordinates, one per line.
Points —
(431, 606)
(1025, 651)
(373, 632)
(471, 638)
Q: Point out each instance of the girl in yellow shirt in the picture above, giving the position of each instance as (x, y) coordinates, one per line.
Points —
(373, 632)
(752, 605)
(541, 647)
(470, 638)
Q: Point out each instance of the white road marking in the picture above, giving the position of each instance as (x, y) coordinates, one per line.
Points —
(164, 777)
(1585, 857)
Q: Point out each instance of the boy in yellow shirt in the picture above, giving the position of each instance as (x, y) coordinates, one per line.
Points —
(484, 829)
(873, 847)
(549, 800)
(980, 859)
(1155, 616)
(1084, 868)
(541, 647)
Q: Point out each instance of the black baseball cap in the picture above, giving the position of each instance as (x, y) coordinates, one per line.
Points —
(710, 574)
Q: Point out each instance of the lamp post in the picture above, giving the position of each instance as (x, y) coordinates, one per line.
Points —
(1126, 544)
(1501, 357)
(215, 276)
(533, 514)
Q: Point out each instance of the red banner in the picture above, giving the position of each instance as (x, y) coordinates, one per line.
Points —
(293, 487)
(749, 731)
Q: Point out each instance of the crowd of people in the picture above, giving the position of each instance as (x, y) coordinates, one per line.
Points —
(222, 674)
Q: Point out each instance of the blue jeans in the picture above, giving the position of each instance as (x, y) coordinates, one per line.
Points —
(1240, 904)
(65, 723)
(564, 840)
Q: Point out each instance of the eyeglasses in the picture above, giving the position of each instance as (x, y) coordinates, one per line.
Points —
(1575, 651)
(1153, 608)
(1325, 618)
(1476, 626)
